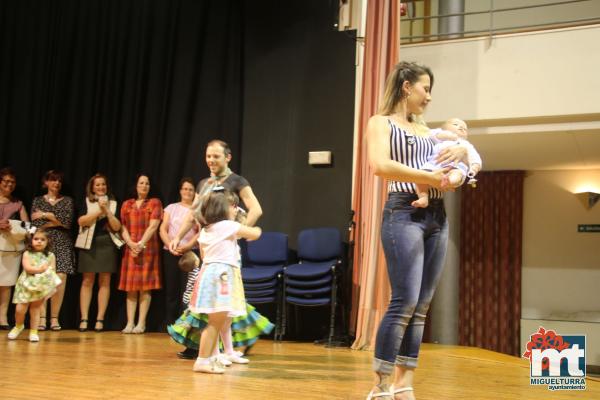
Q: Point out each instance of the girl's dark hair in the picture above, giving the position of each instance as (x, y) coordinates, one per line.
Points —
(53, 175)
(89, 187)
(7, 171)
(404, 71)
(29, 244)
(216, 204)
(186, 179)
(133, 191)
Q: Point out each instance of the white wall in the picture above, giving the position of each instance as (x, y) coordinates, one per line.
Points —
(533, 74)
(561, 267)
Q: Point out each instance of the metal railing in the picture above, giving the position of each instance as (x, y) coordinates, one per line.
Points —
(491, 29)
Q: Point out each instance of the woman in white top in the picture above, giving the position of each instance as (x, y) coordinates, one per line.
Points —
(98, 246)
(11, 245)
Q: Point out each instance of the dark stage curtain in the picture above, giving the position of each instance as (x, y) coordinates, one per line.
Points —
(117, 86)
(490, 262)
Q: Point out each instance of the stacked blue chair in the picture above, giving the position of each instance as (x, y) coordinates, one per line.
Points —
(313, 281)
(262, 271)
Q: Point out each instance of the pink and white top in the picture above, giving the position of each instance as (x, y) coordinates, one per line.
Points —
(177, 214)
(218, 243)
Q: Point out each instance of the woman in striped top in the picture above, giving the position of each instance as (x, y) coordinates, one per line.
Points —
(414, 239)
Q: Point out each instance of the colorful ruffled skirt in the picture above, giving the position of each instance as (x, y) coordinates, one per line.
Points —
(219, 288)
(245, 330)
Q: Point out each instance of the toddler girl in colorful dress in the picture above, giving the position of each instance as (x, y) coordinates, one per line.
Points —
(37, 282)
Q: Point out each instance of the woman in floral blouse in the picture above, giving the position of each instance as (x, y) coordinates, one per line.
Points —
(54, 212)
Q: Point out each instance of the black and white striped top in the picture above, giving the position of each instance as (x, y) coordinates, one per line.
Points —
(412, 151)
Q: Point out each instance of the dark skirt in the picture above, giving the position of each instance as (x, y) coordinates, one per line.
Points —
(101, 257)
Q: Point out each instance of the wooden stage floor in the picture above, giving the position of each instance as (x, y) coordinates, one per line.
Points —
(109, 365)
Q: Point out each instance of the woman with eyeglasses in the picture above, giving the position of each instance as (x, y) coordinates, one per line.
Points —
(11, 244)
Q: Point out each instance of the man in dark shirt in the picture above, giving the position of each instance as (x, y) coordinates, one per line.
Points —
(218, 156)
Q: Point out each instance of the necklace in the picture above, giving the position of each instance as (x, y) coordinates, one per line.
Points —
(216, 179)
(51, 200)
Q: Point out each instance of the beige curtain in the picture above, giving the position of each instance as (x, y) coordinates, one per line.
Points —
(371, 292)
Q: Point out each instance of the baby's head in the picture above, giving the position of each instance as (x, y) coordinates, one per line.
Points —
(456, 125)
(188, 261)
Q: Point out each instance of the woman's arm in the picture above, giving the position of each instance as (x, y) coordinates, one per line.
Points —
(127, 238)
(190, 245)
(185, 227)
(150, 230)
(23, 214)
(89, 218)
(113, 221)
(379, 155)
(249, 232)
(63, 219)
(164, 229)
(48, 216)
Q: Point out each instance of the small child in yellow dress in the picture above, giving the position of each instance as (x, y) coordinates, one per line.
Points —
(37, 282)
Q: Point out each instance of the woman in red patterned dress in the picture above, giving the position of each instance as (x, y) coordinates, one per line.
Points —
(140, 267)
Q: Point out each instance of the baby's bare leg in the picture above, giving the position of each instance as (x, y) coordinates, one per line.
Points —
(422, 193)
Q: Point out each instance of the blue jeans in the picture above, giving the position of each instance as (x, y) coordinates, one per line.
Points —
(414, 242)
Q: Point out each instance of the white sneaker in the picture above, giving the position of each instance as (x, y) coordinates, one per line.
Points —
(208, 366)
(33, 337)
(234, 358)
(224, 360)
(15, 332)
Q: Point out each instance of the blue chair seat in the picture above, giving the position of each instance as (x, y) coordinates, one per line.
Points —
(259, 274)
(309, 270)
(308, 293)
(261, 300)
(260, 293)
(309, 284)
(260, 285)
(308, 302)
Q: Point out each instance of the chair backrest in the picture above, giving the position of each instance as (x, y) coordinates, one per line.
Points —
(270, 249)
(319, 244)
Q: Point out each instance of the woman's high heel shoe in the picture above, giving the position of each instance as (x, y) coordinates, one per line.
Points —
(42, 324)
(101, 327)
(55, 326)
(83, 328)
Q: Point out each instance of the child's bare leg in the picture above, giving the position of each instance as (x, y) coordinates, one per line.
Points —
(422, 192)
(226, 338)
(455, 178)
(20, 311)
(34, 320)
(208, 339)
(34, 315)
